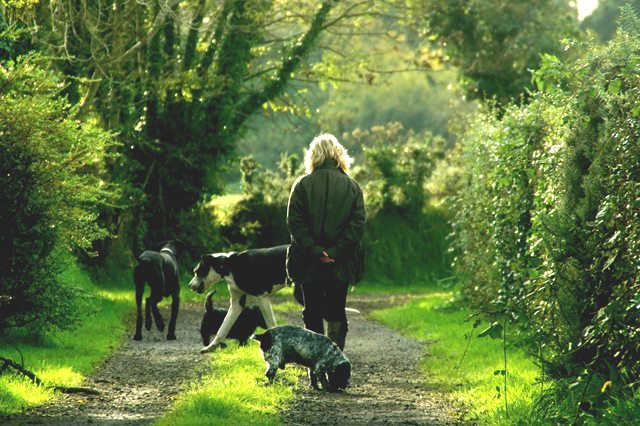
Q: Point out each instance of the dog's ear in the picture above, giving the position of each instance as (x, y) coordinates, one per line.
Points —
(162, 244)
(180, 245)
(264, 339)
(208, 304)
(220, 264)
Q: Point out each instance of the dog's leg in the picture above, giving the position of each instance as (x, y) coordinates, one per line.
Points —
(314, 379)
(204, 333)
(272, 369)
(175, 303)
(155, 279)
(322, 375)
(267, 310)
(232, 315)
(153, 301)
(147, 313)
(139, 282)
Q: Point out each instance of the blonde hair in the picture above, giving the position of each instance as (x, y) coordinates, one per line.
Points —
(324, 147)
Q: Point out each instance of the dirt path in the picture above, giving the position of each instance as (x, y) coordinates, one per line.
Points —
(138, 383)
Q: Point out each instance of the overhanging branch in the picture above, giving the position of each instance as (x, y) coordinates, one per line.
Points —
(275, 86)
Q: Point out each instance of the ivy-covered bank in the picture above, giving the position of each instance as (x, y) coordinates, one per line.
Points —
(547, 228)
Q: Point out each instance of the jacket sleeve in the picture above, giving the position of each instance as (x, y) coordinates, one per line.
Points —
(298, 228)
(352, 235)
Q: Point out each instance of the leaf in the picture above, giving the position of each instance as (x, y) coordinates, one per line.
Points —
(494, 331)
(614, 86)
(610, 261)
(500, 373)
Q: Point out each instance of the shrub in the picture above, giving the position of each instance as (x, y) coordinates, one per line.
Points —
(395, 168)
(393, 174)
(51, 182)
(547, 223)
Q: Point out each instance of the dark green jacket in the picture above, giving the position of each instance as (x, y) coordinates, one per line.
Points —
(326, 213)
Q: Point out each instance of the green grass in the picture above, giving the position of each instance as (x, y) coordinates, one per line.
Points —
(235, 392)
(473, 385)
(64, 358)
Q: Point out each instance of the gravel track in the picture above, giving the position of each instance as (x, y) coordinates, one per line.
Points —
(140, 380)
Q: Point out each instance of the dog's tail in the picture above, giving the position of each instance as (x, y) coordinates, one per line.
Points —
(208, 304)
(139, 279)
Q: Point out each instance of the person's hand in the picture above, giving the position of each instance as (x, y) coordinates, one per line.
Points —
(326, 259)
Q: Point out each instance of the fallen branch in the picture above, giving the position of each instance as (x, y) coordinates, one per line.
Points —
(6, 363)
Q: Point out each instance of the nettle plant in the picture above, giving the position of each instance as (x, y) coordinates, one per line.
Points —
(547, 224)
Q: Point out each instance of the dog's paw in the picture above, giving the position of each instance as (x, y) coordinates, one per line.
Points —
(147, 325)
(171, 337)
(137, 337)
(160, 325)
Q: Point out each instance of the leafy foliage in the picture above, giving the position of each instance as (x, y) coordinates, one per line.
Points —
(394, 169)
(547, 222)
(52, 184)
(496, 43)
(397, 164)
(178, 80)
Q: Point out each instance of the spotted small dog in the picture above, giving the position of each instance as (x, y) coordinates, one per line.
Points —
(326, 362)
(246, 324)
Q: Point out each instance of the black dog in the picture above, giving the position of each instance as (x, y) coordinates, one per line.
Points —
(160, 271)
(246, 324)
(286, 344)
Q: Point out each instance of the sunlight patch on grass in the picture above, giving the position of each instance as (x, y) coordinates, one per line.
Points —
(66, 376)
(474, 384)
(235, 392)
(19, 392)
(65, 358)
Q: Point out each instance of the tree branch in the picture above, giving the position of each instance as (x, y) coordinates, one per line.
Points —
(275, 86)
(157, 25)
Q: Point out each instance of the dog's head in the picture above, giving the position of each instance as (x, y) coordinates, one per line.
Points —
(340, 375)
(211, 269)
(172, 246)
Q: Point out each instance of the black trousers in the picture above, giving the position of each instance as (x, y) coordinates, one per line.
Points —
(324, 297)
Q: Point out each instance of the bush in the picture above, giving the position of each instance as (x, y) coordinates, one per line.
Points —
(393, 175)
(547, 223)
(51, 183)
(395, 168)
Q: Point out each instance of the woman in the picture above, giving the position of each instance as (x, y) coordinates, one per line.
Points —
(326, 218)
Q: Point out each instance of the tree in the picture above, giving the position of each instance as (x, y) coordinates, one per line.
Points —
(178, 80)
(496, 44)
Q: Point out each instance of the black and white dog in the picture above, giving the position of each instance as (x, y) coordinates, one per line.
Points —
(160, 271)
(254, 272)
(287, 344)
(244, 327)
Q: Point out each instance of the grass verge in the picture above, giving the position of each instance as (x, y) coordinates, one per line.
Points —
(476, 384)
(64, 358)
(234, 392)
